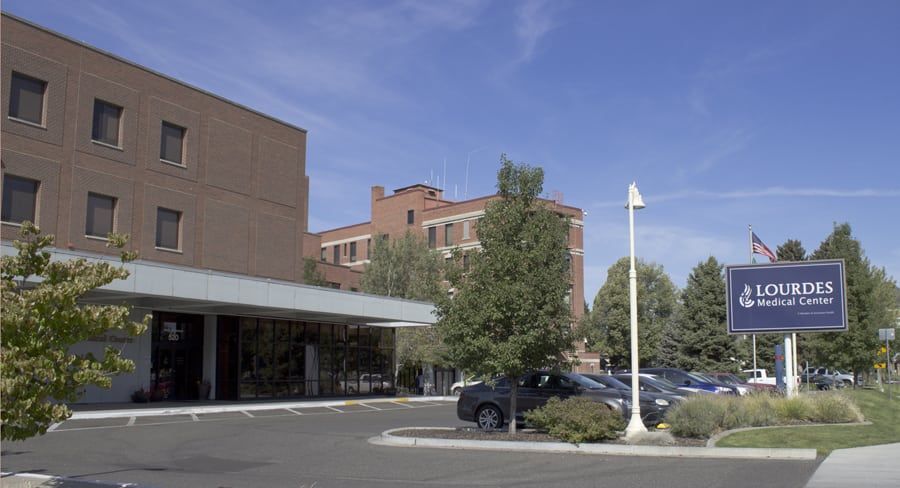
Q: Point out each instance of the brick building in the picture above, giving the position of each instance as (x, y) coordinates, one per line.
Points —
(446, 225)
(214, 196)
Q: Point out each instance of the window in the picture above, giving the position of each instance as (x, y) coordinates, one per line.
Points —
(368, 248)
(26, 98)
(171, 143)
(323, 255)
(168, 228)
(336, 254)
(107, 118)
(432, 237)
(448, 234)
(19, 199)
(352, 252)
(100, 218)
(410, 216)
(465, 262)
(465, 230)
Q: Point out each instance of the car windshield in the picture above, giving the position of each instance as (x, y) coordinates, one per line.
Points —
(585, 381)
(707, 378)
(661, 382)
(697, 378)
(614, 383)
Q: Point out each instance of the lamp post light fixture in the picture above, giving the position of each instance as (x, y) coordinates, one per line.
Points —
(635, 425)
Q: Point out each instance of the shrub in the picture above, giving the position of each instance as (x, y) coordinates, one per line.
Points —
(793, 410)
(705, 415)
(834, 408)
(576, 420)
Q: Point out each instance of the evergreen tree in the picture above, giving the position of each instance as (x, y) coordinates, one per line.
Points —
(869, 303)
(608, 328)
(705, 343)
(791, 250)
(509, 314)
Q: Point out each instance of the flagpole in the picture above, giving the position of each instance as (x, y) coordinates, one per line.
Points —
(750, 237)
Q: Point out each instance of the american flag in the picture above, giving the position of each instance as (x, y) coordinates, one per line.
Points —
(760, 248)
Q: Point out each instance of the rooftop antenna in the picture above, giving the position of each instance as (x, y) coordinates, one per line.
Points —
(444, 179)
(468, 159)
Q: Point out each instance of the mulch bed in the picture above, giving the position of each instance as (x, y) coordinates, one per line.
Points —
(522, 435)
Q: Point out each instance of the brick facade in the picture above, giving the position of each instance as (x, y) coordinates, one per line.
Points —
(241, 186)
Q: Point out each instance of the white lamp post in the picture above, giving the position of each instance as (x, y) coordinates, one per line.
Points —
(635, 425)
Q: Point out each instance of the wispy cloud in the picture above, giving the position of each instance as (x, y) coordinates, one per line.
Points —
(534, 19)
(731, 143)
(775, 191)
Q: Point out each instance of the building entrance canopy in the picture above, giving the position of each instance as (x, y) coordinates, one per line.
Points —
(164, 287)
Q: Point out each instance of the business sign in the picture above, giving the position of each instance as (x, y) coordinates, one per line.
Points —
(786, 297)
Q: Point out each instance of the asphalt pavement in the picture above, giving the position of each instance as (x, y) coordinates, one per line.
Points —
(329, 448)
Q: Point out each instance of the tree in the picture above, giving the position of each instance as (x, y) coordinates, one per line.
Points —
(608, 329)
(407, 268)
(791, 250)
(869, 303)
(705, 343)
(311, 274)
(509, 314)
(42, 320)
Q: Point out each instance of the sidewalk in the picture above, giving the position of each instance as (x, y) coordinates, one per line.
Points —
(866, 466)
(123, 410)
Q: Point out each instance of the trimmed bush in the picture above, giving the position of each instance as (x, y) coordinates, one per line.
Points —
(576, 420)
(705, 415)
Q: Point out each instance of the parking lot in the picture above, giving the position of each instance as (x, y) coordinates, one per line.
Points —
(327, 447)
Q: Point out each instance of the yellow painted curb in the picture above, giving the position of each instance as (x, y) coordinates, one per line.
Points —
(401, 400)
(350, 402)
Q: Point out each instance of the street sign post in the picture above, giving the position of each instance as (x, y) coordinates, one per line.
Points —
(887, 335)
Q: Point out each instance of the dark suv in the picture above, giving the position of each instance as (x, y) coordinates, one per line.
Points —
(683, 378)
(489, 406)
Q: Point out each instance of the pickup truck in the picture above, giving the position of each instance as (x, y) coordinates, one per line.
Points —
(759, 376)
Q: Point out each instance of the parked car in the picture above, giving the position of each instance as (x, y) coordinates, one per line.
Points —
(683, 378)
(457, 388)
(744, 387)
(759, 376)
(488, 406)
(654, 383)
(823, 375)
(653, 404)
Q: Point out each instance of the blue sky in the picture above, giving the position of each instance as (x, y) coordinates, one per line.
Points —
(784, 115)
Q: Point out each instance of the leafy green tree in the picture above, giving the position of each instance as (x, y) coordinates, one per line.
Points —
(407, 268)
(311, 274)
(608, 328)
(705, 343)
(42, 319)
(869, 303)
(509, 314)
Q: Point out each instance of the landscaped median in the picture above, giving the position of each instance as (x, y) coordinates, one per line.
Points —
(401, 437)
(883, 427)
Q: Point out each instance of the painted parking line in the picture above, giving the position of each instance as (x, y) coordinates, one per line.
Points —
(54, 426)
(189, 418)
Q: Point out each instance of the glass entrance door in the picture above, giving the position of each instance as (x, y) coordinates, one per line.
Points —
(177, 356)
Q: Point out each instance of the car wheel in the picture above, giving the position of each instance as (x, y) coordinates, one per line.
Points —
(489, 417)
(457, 391)
(848, 383)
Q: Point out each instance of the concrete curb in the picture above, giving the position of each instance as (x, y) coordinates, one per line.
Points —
(187, 410)
(716, 438)
(387, 439)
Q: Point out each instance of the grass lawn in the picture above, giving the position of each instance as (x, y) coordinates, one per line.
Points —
(885, 428)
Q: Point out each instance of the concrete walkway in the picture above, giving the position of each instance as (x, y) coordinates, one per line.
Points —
(859, 466)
